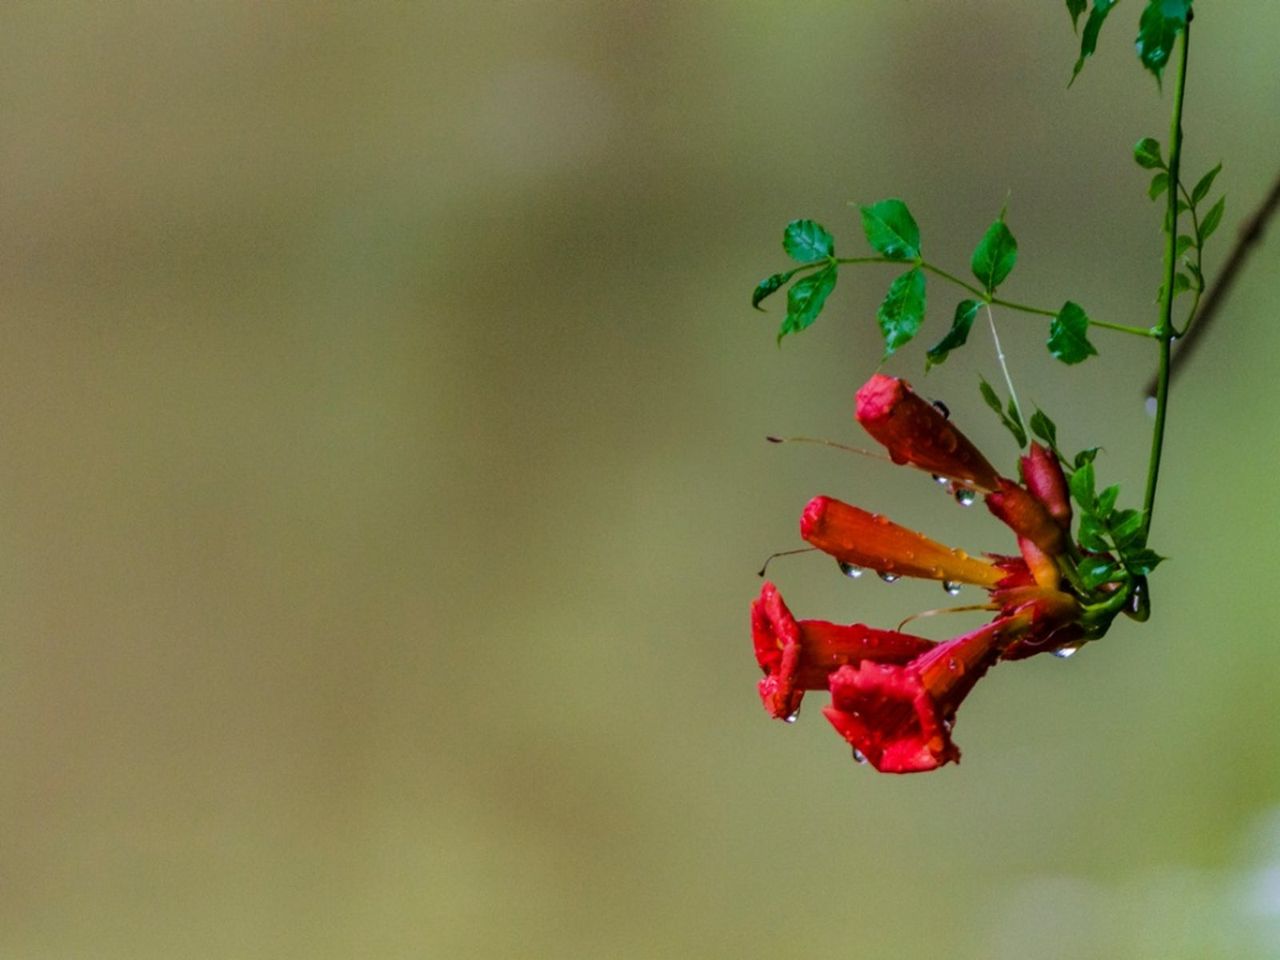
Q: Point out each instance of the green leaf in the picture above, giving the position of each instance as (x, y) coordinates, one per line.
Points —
(1158, 28)
(1126, 527)
(1107, 499)
(1086, 457)
(1075, 8)
(1068, 340)
(1201, 189)
(1089, 37)
(1147, 153)
(1095, 571)
(805, 300)
(891, 230)
(1212, 219)
(994, 256)
(771, 285)
(1184, 244)
(1012, 424)
(1082, 483)
(902, 311)
(806, 241)
(1044, 428)
(966, 311)
(1141, 561)
(1091, 534)
(990, 396)
(1181, 283)
(1159, 184)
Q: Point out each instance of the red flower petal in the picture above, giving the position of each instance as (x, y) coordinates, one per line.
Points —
(899, 717)
(1044, 478)
(914, 431)
(799, 655)
(1027, 517)
(854, 536)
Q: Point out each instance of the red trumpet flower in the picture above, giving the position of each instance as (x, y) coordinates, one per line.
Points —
(894, 695)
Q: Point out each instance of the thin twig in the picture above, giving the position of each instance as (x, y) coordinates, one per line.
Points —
(1250, 235)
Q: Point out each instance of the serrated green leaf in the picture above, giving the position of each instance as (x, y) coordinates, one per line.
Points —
(807, 240)
(1091, 534)
(1081, 483)
(1141, 561)
(994, 256)
(805, 300)
(1095, 571)
(1107, 499)
(1203, 186)
(1012, 424)
(966, 311)
(1068, 339)
(1126, 527)
(990, 396)
(1147, 153)
(902, 310)
(1075, 8)
(771, 285)
(1159, 184)
(1044, 428)
(891, 230)
(1085, 457)
(1161, 22)
(1089, 36)
(1212, 219)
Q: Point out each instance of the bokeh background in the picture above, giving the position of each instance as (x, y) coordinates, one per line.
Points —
(383, 484)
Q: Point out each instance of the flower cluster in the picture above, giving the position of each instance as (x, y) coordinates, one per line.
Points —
(894, 696)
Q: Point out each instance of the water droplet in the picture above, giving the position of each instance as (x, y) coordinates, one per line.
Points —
(939, 479)
(888, 577)
(965, 496)
(793, 716)
(859, 756)
(943, 409)
(1066, 653)
(850, 570)
(951, 587)
(953, 665)
(1139, 605)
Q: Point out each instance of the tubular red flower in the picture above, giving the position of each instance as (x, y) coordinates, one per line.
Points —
(799, 655)
(900, 717)
(914, 431)
(1027, 517)
(1044, 478)
(854, 536)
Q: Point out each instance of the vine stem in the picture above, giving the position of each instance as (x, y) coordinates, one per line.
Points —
(1004, 367)
(1164, 331)
(984, 298)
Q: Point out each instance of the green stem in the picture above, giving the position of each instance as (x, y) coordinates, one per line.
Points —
(995, 301)
(1164, 331)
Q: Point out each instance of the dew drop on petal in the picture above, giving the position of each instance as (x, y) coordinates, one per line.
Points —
(850, 570)
(943, 409)
(887, 577)
(965, 496)
(1065, 653)
(859, 756)
(951, 587)
(939, 479)
(793, 716)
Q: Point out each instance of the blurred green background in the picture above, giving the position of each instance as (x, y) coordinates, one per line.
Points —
(383, 484)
